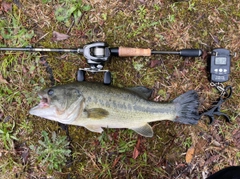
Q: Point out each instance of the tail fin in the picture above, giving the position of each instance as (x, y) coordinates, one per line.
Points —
(187, 108)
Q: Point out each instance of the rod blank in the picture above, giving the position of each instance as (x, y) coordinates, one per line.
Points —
(29, 49)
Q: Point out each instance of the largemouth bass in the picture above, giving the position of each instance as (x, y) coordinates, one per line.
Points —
(96, 106)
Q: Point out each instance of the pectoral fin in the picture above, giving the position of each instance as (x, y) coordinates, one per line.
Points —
(145, 130)
(94, 128)
(97, 113)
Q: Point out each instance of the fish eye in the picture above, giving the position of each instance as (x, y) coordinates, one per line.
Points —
(50, 92)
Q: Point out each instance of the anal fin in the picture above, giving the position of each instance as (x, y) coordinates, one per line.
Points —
(94, 128)
(145, 130)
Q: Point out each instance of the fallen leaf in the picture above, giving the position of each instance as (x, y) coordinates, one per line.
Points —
(25, 155)
(141, 1)
(236, 138)
(200, 146)
(212, 159)
(204, 54)
(24, 69)
(115, 161)
(23, 151)
(18, 3)
(59, 36)
(155, 63)
(2, 80)
(135, 153)
(1, 115)
(190, 154)
(215, 38)
(7, 119)
(6, 6)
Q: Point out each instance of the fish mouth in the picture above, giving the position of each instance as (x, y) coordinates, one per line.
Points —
(42, 106)
(44, 102)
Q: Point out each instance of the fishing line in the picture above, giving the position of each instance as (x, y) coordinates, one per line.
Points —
(64, 127)
(49, 70)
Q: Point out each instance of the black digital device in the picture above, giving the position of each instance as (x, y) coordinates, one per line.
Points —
(220, 65)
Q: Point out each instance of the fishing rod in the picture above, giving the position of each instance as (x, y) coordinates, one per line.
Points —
(97, 53)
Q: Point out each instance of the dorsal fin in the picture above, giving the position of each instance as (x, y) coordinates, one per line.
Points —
(141, 91)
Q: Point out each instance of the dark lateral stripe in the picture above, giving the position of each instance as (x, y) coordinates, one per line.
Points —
(148, 107)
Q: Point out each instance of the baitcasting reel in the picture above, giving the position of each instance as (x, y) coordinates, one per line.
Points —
(96, 54)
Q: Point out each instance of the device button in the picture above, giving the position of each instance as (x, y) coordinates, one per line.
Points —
(220, 70)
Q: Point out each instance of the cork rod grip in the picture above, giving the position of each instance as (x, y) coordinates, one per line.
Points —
(130, 52)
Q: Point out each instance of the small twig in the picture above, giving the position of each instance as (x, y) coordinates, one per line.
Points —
(42, 37)
(70, 28)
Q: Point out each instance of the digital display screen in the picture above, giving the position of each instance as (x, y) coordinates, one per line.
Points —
(220, 60)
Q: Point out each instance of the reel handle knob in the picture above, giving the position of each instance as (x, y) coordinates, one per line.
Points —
(107, 78)
(81, 75)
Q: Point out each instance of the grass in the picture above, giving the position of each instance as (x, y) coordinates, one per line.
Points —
(52, 152)
(163, 25)
(70, 8)
(7, 135)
